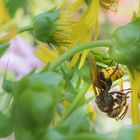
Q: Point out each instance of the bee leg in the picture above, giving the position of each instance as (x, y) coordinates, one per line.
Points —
(117, 118)
(114, 113)
(126, 89)
(113, 71)
(124, 113)
(120, 93)
(118, 101)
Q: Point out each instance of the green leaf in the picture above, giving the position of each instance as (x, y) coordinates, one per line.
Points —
(84, 72)
(49, 78)
(22, 133)
(53, 134)
(14, 5)
(88, 2)
(70, 91)
(8, 85)
(37, 105)
(87, 137)
(102, 57)
(35, 99)
(3, 48)
(77, 122)
(129, 133)
(6, 126)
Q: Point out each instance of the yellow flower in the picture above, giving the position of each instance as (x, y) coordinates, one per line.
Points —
(5, 19)
(71, 31)
(87, 24)
(83, 30)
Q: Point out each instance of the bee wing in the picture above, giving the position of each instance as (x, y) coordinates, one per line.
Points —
(94, 74)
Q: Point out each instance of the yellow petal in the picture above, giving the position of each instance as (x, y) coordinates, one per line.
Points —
(75, 5)
(74, 60)
(91, 15)
(4, 15)
(11, 33)
(96, 33)
(46, 54)
(41, 56)
(83, 30)
(82, 61)
(85, 52)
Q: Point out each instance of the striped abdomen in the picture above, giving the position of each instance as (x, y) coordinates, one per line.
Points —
(108, 75)
(113, 73)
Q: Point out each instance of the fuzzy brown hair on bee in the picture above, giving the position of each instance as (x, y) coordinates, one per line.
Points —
(113, 103)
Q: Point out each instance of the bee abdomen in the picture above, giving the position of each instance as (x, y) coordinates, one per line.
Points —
(113, 73)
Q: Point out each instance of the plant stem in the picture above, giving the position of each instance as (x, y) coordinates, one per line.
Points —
(72, 51)
(75, 102)
(24, 29)
(78, 83)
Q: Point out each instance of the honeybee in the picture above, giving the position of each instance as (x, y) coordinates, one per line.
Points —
(113, 103)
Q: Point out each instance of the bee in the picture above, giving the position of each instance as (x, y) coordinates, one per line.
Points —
(113, 103)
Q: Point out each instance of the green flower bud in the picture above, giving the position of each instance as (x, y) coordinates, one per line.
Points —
(54, 27)
(45, 25)
(126, 44)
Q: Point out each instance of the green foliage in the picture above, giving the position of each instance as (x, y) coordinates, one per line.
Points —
(36, 109)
